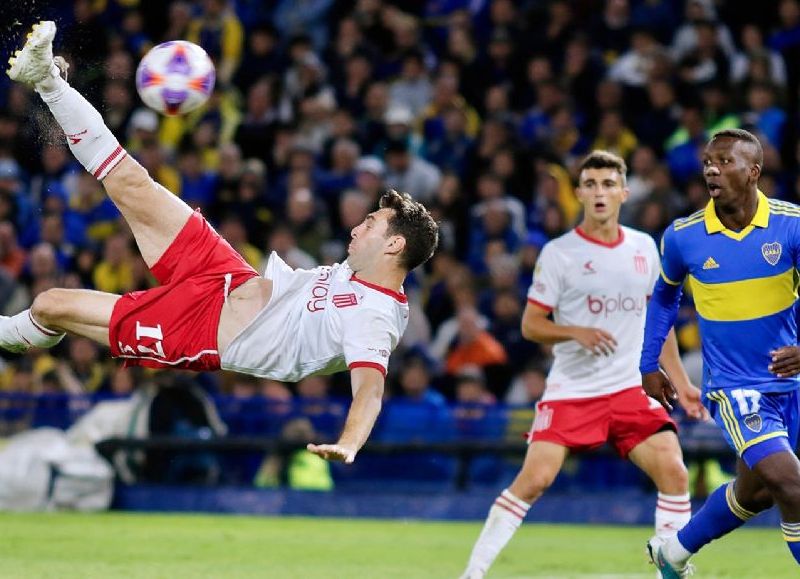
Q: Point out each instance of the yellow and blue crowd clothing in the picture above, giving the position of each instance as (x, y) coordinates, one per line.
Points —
(744, 285)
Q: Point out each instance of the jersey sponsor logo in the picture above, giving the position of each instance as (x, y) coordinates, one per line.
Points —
(772, 252)
(543, 419)
(753, 422)
(640, 264)
(608, 305)
(344, 300)
(588, 268)
(319, 292)
(383, 353)
(539, 287)
(710, 263)
(149, 340)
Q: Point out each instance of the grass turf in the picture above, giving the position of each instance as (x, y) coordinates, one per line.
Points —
(111, 545)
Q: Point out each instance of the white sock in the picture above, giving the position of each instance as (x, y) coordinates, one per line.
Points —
(504, 519)
(674, 552)
(672, 513)
(87, 135)
(22, 331)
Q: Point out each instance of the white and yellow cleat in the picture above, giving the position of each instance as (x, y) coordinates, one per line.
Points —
(34, 62)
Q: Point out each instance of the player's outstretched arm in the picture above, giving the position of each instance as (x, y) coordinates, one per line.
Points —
(689, 396)
(367, 384)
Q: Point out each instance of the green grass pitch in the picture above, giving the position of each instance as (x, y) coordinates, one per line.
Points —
(111, 545)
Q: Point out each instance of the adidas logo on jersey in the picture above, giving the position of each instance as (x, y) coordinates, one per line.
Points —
(710, 264)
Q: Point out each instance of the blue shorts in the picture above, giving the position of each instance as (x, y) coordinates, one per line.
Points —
(756, 424)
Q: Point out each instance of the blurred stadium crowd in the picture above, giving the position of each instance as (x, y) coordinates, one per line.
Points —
(479, 108)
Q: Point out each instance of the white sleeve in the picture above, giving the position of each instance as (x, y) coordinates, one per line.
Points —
(547, 284)
(654, 263)
(369, 336)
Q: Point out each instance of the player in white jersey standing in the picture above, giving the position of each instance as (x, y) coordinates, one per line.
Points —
(595, 281)
(212, 310)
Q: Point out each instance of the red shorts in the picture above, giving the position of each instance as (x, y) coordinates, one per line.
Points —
(175, 324)
(623, 419)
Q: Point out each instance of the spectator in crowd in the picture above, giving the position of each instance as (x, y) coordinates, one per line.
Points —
(197, 185)
(755, 61)
(412, 89)
(707, 62)
(660, 119)
(406, 171)
(399, 126)
(683, 148)
(370, 174)
(451, 150)
(114, 273)
(307, 221)
(635, 67)
(282, 241)
(418, 412)
(304, 16)
(261, 56)
(611, 29)
(82, 371)
(614, 136)
(233, 230)
(301, 469)
(218, 30)
(527, 388)
(342, 174)
(473, 345)
(12, 256)
(763, 114)
(687, 36)
(472, 413)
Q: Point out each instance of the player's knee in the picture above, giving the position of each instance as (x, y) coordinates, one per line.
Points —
(676, 472)
(783, 485)
(50, 306)
(534, 485)
(786, 493)
(756, 501)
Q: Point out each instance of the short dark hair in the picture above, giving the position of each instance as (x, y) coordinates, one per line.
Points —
(742, 135)
(415, 224)
(604, 160)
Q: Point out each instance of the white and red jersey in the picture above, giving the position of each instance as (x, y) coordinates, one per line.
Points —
(318, 321)
(590, 283)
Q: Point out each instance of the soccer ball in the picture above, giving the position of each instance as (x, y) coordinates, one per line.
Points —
(175, 77)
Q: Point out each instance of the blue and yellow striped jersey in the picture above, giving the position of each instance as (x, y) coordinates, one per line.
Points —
(744, 285)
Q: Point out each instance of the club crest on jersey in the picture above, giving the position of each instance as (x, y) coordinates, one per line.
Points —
(753, 422)
(771, 252)
(344, 300)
